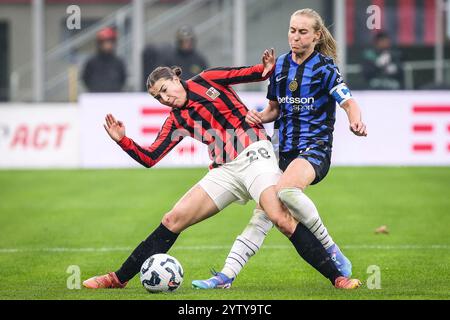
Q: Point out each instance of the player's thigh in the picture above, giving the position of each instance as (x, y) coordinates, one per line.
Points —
(299, 174)
(195, 206)
(276, 212)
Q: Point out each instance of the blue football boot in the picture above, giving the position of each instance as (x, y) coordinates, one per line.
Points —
(217, 281)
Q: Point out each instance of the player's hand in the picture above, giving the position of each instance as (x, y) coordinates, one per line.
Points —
(358, 128)
(114, 128)
(268, 60)
(253, 117)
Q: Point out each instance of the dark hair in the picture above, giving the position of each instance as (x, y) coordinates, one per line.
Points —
(162, 73)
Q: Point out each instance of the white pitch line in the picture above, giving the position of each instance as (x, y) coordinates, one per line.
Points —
(270, 247)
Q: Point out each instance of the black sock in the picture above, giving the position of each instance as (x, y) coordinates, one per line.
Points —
(313, 252)
(160, 241)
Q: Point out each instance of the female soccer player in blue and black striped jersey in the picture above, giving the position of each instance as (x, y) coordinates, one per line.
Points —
(302, 94)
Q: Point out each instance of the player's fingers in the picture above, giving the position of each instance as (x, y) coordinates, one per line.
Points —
(249, 120)
(257, 120)
(108, 121)
(113, 119)
(364, 132)
(255, 115)
(362, 129)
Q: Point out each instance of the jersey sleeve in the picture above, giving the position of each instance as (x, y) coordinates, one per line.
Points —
(166, 140)
(334, 84)
(271, 88)
(236, 75)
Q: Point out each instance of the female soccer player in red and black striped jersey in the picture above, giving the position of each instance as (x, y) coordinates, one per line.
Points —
(244, 163)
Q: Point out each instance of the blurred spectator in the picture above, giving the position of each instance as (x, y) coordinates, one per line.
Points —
(382, 65)
(185, 54)
(105, 72)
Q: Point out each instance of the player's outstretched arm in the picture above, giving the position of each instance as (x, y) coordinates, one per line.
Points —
(269, 114)
(234, 75)
(166, 140)
(354, 117)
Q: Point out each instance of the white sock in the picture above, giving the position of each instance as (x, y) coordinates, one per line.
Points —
(304, 210)
(247, 244)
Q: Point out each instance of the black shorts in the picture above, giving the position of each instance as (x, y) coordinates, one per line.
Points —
(318, 157)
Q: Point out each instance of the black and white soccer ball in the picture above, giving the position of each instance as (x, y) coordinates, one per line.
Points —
(161, 273)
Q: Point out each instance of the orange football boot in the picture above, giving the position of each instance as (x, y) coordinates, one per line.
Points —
(346, 283)
(107, 281)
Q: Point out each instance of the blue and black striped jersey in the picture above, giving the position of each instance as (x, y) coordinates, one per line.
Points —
(307, 95)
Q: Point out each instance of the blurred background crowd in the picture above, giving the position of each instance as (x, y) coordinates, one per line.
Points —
(119, 42)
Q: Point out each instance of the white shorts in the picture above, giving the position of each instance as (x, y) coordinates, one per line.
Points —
(245, 178)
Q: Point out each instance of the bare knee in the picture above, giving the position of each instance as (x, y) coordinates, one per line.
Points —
(172, 221)
(285, 223)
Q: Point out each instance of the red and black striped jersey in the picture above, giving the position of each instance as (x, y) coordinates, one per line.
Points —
(213, 114)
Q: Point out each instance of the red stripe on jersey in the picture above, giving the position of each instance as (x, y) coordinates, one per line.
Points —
(230, 100)
(257, 129)
(220, 123)
(200, 127)
(230, 76)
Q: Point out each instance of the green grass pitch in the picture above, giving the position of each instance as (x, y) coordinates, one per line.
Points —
(82, 211)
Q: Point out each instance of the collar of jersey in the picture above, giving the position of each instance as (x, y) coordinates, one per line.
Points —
(312, 55)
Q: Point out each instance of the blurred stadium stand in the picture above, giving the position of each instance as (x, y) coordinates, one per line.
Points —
(266, 26)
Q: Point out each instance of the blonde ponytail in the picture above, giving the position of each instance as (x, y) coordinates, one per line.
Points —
(326, 44)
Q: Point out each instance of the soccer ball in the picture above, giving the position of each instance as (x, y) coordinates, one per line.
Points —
(161, 273)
